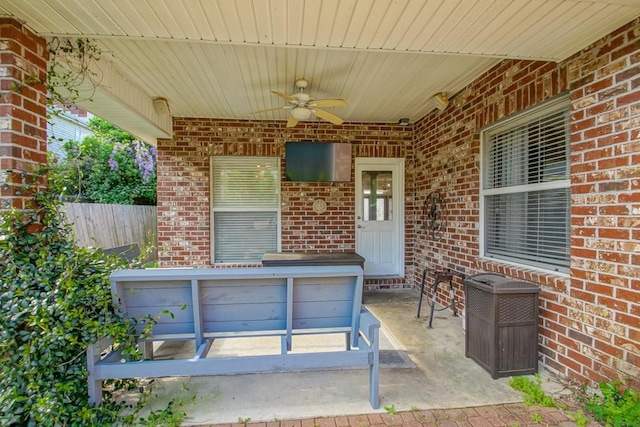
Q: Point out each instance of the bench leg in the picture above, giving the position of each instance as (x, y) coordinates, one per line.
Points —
(95, 386)
(348, 338)
(147, 350)
(374, 372)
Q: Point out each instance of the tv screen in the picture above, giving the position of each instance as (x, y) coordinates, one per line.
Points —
(317, 161)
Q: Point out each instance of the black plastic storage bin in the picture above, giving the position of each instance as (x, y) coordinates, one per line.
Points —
(501, 324)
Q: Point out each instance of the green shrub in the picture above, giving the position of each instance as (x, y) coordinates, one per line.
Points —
(616, 407)
(110, 166)
(55, 299)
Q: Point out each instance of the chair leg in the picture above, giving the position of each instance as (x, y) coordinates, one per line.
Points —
(424, 277)
(436, 282)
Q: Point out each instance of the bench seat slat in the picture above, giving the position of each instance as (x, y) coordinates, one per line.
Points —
(169, 328)
(243, 325)
(326, 322)
(249, 334)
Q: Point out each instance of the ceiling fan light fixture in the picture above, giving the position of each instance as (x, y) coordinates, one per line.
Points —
(301, 113)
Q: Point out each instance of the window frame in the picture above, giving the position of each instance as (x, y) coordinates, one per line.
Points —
(277, 208)
(526, 117)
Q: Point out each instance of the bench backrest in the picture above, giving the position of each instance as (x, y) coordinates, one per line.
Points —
(203, 302)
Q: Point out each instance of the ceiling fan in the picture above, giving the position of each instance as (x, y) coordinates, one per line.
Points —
(303, 106)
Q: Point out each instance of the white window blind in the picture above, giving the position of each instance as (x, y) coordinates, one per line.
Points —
(245, 197)
(526, 188)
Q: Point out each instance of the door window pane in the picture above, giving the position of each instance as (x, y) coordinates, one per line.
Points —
(377, 197)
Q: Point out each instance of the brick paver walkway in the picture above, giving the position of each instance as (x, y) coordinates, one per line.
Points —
(514, 415)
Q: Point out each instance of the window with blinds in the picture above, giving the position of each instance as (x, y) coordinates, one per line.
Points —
(525, 188)
(245, 206)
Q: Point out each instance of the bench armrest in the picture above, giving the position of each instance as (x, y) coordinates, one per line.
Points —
(369, 326)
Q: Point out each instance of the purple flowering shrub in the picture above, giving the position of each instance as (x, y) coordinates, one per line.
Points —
(111, 166)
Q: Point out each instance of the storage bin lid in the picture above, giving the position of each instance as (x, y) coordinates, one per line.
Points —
(498, 284)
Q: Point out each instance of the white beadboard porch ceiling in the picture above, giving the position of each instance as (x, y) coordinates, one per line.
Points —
(221, 58)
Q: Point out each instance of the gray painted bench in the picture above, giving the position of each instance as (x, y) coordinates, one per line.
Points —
(208, 304)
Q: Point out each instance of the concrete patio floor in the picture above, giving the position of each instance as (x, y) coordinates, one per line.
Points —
(430, 373)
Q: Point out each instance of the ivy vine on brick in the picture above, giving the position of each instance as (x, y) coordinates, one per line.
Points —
(55, 300)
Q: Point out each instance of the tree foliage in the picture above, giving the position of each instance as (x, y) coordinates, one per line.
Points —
(111, 166)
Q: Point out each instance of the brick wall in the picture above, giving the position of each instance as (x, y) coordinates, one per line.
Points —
(183, 183)
(23, 124)
(603, 303)
(447, 161)
(590, 321)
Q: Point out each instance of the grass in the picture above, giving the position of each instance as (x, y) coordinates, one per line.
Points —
(614, 405)
(534, 395)
(532, 389)
(391, 409)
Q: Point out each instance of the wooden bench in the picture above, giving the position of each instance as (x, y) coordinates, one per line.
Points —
(208, 304)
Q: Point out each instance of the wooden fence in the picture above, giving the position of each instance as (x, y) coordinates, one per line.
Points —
(109, 226)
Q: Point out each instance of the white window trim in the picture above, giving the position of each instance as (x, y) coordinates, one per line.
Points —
(505, 124)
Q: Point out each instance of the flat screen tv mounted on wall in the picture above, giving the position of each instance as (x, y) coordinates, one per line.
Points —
(308, 161)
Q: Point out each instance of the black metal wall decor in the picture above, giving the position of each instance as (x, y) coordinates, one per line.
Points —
(434, 219)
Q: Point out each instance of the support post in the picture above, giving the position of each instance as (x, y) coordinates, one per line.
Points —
(23, 100)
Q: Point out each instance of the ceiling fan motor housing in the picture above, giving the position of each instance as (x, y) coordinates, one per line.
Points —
(301, 83)
(300, 99)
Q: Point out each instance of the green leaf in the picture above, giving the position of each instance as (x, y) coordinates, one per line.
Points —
(168, 312)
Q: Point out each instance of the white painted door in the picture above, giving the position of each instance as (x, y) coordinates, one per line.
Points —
(380, 215)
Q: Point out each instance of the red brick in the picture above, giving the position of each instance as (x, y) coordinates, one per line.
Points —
(612, 303)
(613, 233)
(583, 124)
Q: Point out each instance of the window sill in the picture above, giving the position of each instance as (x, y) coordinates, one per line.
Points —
(557, 281)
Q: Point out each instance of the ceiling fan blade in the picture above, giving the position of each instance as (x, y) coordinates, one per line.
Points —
(284, 95)
(269, 109)
(330, 103)
(330, 117)
(292, 122)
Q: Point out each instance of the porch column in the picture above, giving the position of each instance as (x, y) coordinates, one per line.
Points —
(23, 121)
